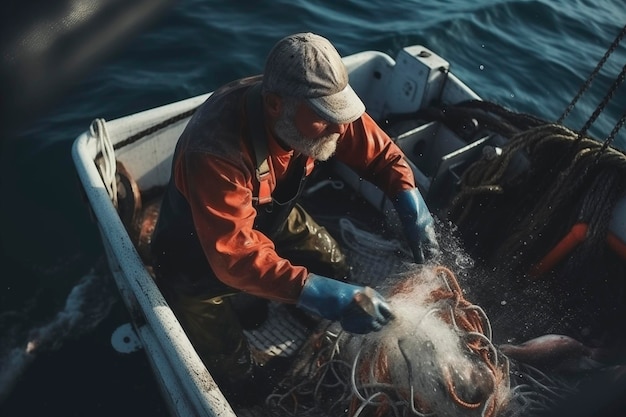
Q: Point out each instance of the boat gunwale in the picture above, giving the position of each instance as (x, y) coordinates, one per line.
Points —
(144, 300)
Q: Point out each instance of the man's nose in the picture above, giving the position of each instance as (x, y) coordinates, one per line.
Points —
(337, 128)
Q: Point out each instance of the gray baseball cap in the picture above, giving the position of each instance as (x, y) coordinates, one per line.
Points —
(308, 66)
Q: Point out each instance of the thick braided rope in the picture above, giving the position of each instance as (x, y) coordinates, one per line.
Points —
(565, 169)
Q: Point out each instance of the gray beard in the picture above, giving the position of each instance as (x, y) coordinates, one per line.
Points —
(319, 149)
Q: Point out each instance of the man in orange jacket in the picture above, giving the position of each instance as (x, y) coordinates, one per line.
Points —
(230, 209)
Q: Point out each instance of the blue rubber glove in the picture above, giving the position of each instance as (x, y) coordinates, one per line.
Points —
(358, 309)
(418, 224)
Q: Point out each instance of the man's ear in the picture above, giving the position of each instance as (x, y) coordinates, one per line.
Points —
(273, 104)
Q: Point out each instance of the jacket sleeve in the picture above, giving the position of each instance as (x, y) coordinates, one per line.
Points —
(371, 153)
(220, 196)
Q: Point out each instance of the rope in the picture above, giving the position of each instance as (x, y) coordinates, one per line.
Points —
(155, 128)
(351, 374)
(374, 372)
(593, 74)
(106, 150)
(600, 108)
(609, 140)
(106, 164)
(547, 195)
(152, 129)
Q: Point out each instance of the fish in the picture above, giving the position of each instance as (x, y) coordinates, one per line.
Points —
(555, 352)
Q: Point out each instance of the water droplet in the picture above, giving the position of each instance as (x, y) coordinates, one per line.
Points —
(464, 262)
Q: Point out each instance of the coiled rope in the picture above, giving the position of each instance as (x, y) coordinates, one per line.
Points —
(106, 150)
(106, 164)
(583, 184)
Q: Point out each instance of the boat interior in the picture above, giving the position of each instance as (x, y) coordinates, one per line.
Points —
(482, 191)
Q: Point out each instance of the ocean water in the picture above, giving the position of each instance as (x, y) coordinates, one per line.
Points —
(530, 56)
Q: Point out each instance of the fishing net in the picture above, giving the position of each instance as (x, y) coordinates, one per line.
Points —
(441, 356)
(435, 358)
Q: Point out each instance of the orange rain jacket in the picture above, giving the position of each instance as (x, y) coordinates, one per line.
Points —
(209, 201)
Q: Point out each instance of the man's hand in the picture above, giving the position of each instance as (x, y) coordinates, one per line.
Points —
(418, 224)
(358, 309)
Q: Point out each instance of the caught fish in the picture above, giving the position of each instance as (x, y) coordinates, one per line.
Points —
(555, 351)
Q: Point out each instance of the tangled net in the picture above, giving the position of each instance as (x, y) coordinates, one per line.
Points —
(435, 358)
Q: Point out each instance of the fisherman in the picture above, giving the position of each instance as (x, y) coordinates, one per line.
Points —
(230, 220)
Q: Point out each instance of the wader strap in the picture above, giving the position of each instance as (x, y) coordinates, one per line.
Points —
(256, 135)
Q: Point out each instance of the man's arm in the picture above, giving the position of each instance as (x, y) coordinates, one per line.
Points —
(220, 196)
(372, 154)
(367, 149)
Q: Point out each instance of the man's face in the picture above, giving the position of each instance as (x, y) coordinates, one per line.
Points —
(301, 128)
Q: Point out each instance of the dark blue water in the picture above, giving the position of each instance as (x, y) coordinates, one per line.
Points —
(531, 56)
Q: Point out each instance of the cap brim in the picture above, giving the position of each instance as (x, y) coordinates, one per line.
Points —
(342, 107)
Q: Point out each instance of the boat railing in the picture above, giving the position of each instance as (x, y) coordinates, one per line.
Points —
(191, 390)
